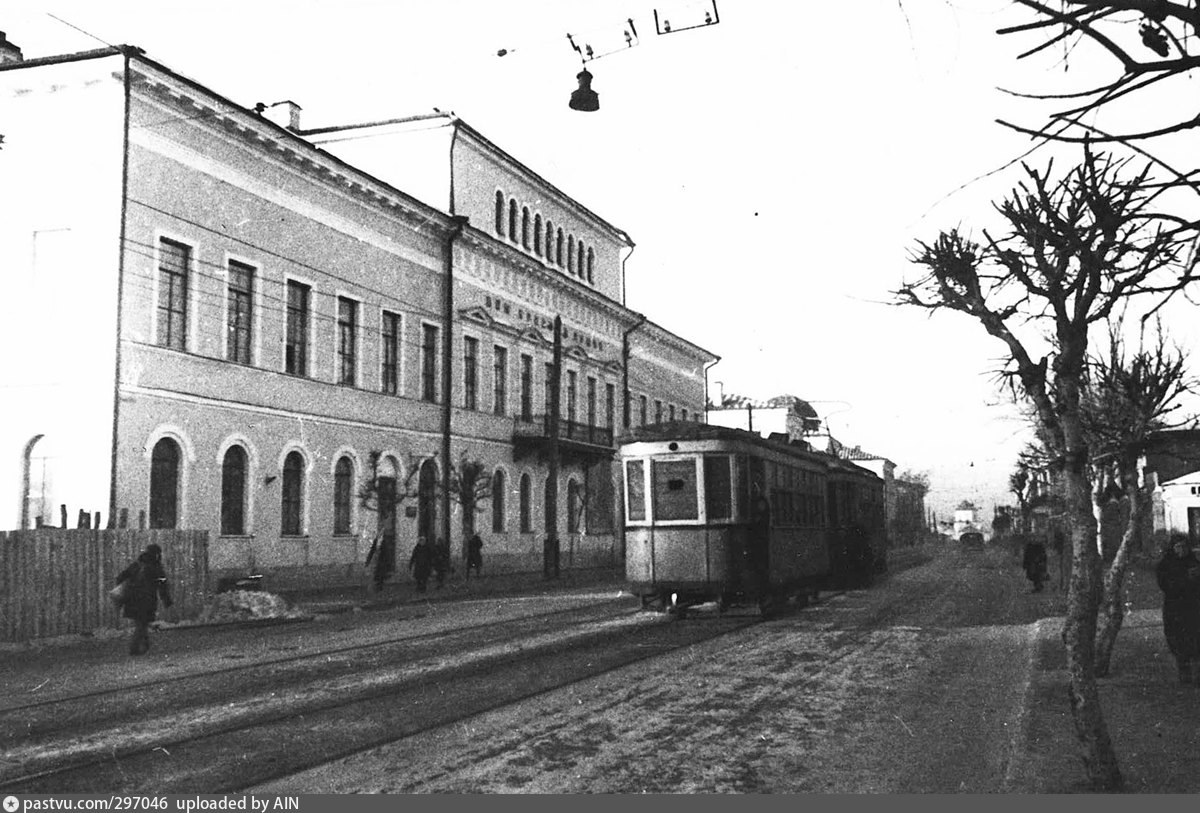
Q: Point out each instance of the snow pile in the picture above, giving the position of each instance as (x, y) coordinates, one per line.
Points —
(246, 605)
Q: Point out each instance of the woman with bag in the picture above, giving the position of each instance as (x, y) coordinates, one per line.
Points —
(144, 580)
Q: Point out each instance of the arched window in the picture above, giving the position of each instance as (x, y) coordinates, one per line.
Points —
(499, 213)
(591, 263)
(579, 259)
(537, 235)
(233, 492)
(512, 220)
(574, 506)
(343, 480)
(571, 253)
(525, 227)
(558, 249)
(292, 499)
(498, 501)
(549, 241)
(526, 497)
(164, 484)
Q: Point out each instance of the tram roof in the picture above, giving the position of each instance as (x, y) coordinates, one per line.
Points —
(692, 431)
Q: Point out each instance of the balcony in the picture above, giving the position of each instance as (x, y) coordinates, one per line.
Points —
(577, 442)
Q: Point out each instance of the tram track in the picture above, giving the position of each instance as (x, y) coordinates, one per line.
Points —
(287, 714)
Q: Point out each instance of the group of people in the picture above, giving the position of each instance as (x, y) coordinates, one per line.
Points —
(1178, 576)
(427, 560)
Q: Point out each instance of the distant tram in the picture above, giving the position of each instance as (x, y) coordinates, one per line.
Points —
(725, 515)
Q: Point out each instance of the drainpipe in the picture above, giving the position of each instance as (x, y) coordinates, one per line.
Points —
(623, 261)
(708, 366)
(625, 364)
(459, 223)
(116, 410)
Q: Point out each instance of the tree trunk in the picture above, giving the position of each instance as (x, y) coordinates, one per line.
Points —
(1079, 635)
(1112, 603)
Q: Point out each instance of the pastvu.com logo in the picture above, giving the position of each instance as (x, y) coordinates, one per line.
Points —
(11, 804)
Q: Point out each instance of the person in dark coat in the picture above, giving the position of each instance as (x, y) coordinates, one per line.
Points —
(474, 556)
(421, 563)
(1034, 561)
(147, 582)
(1178, 575)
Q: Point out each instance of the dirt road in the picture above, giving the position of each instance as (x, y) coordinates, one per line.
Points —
(916, 685)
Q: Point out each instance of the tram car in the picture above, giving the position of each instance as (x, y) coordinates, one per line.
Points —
(720, 514)
(854, 524)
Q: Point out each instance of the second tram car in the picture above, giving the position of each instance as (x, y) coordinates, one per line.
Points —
(720, 514)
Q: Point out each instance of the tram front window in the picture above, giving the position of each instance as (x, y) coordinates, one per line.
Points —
(635, 491)
(674, 484)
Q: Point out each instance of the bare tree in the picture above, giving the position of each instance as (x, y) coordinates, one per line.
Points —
(1152, 46)
(384, 495)
(470, 484)
(1074, 250)
(1125, 401)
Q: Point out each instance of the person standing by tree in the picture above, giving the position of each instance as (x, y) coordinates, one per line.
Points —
(147, 581)
(474, 556)
(1178, 575)
(420, 563)
(1034, 562)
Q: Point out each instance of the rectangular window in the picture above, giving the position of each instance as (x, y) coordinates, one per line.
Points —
(470, 373)
(296, 353)
(635, 490)
(429, 348)
(642, 407)
(683, 414)
(718, 496)
(610, 395)
(671, 413)
(390, 353)
(526, 387)
(499, 380)
(591, 402)
(173, 261)
(549, 389)
(658, 411)
(673, 483)
(347, 326)
(571, 388)
(238, 331)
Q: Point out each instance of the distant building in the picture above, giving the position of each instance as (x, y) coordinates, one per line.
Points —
(783, 414)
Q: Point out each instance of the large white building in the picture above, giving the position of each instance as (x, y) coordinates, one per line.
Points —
(216, 318)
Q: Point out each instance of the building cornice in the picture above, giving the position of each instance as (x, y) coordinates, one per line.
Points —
(263, 135)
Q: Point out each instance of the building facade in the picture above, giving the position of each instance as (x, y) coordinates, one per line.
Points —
(240, 329)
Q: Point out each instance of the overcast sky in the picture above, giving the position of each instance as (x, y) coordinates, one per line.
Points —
(785, 158)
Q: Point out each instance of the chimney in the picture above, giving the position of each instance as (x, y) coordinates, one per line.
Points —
(9, 52)
(285, 114)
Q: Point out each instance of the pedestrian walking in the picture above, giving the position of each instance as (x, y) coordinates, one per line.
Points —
(146, 581)
(421, 563)
(1034, 560)
(474, 556)
(1178, 575)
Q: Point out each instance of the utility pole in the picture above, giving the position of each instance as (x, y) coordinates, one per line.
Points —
(456, 229)
(550, 549)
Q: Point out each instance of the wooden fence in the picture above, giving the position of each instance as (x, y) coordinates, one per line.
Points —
(55, 581)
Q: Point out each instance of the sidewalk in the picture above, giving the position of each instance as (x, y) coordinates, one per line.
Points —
(1154, 722)
(402, 590)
